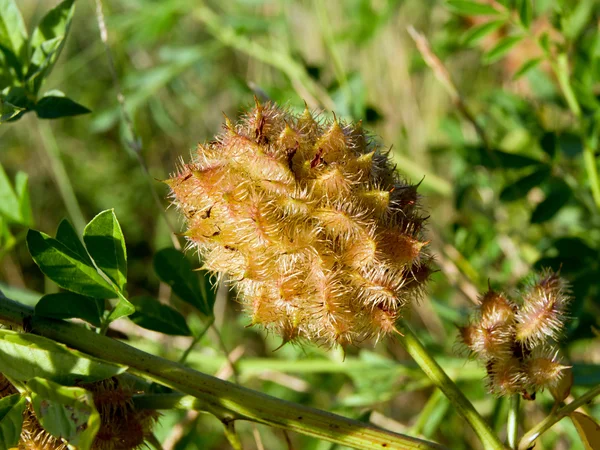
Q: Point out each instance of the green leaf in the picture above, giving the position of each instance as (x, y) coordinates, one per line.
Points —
(570, 144)
(501, 48)
(525, 12)
(65, 412)
(53, 107)
(67, 305)
(123, 308)
(173, 268)
(8, 111)
(66, 268)
(496, 159)
(13, 35)
(526, 67)
(153, 315)
(548, 143)
(47, 42)
(558, 196)
(26, 356)
(106, 245)
(9, 202)
(478, 32)
(470, 8)
(66, 235)
(521, 187)
(11, 420)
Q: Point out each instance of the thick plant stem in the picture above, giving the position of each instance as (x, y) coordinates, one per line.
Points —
(225, 400)
(439, 378)
(512, 424)
(528, 440)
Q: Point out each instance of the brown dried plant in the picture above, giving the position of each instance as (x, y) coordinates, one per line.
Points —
(310, 222)
(517, 342)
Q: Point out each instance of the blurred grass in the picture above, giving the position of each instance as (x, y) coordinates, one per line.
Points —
(182, 64)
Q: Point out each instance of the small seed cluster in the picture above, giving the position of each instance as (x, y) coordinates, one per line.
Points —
(517, 342)
(122, 427)
(309, 221)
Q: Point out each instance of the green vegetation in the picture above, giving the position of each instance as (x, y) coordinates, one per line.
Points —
(493, 106)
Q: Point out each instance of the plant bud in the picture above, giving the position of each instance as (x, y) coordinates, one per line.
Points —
(310, 222)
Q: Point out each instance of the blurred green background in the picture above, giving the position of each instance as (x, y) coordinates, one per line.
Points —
(506, 197)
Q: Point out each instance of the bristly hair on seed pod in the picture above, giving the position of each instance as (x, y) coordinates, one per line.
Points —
(309, 221)
(122, 426)
(517, 341)
(543, 313)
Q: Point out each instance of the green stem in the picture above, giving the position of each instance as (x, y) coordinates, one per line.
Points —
(527, 441)
(61, 177)
(560, 66)
(196, 339)
(440, 379)
(225, 400)
(512, 425)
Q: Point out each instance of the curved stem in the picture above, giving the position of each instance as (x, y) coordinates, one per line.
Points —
(225, 400)
(512, 425)
(529, 438)
(439, 378)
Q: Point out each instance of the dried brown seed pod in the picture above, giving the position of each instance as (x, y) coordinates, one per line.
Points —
(310, 221)
(517, 341)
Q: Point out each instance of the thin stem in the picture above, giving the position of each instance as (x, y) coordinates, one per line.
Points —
(529, 438)
(61, 177)
(512, 424)
(225, 400)
(196, 339)
(231, 435)
(440, 379)
(135, 142)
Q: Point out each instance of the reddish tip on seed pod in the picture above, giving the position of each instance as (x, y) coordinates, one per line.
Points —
(310, 221)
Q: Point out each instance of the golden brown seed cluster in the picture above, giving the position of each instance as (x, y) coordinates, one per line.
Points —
(122, 426)
(310, 222)
(518, 342)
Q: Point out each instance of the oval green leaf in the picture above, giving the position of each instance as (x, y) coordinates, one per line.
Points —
(123, 308)
(478, 32)
(67, 236)
(11, 420)
(67, 305)
(106, 245)
(54, 107)
(66, 268)
(155, 316)
(47, 42)
(501, 49)
(173, 268)
(25, 356)
(521, 187)
(65, 412)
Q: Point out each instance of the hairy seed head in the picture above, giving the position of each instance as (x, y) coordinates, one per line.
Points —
(542, 316)
(310, 222)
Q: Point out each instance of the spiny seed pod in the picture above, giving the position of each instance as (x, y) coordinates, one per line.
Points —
(122, 426)
(517, 341)
(543, 313)
(309, 221)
